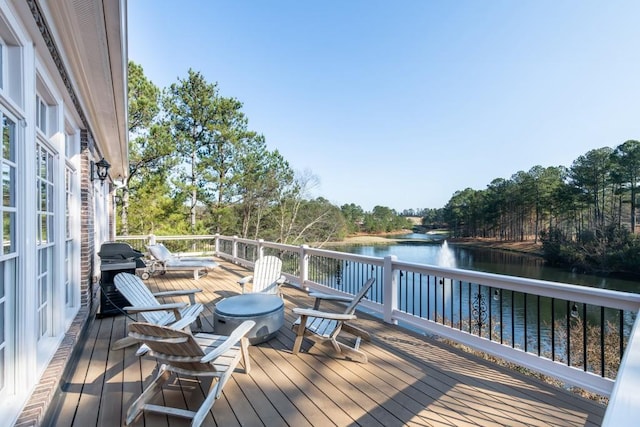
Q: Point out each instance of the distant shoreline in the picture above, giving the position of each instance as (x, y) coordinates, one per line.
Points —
(526, 247)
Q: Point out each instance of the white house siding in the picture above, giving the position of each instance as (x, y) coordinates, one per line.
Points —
(53, 217)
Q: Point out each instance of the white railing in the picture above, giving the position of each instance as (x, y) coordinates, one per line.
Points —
(473, 308)
(624, 403)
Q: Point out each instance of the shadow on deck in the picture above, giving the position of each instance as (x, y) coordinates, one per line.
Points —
(409, 380)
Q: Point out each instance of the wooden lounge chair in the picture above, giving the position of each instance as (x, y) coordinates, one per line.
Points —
(325, 326)
(180, 352)
(267, 276)
(164, 261)
(146, 303)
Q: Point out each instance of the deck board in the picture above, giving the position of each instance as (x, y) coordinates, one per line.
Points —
(72, 387)
(92, 387)
(410, 379)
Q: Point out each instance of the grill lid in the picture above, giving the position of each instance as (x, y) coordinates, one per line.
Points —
(118, 251)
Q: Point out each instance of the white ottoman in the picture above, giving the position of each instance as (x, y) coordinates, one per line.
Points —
(266, 310)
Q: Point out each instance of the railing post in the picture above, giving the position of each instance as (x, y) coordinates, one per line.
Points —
(260, 253)
(624, 400)
(216, 244)
(152, 239)
(304, 265)
(234, 249)
(389, 289)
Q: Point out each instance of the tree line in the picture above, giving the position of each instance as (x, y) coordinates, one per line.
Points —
(195, 167)
(585, 215)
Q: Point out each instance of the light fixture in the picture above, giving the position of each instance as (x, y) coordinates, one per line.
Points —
(101, 169)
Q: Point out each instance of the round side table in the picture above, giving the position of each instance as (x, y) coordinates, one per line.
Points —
(267, 310)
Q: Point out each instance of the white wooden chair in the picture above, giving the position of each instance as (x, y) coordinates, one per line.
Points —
(180, 352)
(267, 276)
(146, 303)
(325, 326)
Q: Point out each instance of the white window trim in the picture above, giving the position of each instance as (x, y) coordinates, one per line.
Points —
(72, 133)
(11, 290)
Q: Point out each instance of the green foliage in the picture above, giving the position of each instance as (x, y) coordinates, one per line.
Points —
(354, 217)
(383, 220)
(558, 249)
(317, 221)
(618, 250)
(220, 219)
(154, 210)
(260, 178)
(143, 99)
(190, 106)
(196, 168)
(433, 218)
(583, 204)
(585, 215)
(149, 146)
(625, 175)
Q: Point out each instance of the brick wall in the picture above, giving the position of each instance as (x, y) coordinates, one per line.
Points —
(87, 232)
(43, 395)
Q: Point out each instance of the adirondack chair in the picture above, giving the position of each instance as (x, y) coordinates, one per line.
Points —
(146, 303)
(267, 276)
(325, 326)
(180, 352)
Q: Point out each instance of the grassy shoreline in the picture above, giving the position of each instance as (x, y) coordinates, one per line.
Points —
(526, 247)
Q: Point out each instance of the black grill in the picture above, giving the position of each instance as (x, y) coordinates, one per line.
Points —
(115, 258)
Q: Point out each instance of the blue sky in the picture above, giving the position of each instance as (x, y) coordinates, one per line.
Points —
(402, 103)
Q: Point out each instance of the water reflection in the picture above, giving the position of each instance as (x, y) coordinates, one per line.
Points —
(548, 327)
(491, 261)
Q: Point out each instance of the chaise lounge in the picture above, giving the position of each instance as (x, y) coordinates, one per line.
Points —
(164, 260)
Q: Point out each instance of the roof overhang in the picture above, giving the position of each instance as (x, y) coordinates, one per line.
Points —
(91, 37)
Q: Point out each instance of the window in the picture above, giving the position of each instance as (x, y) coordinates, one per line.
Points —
(70, 198)
(7, 275)
(2, 61)
(71, 242)
(41, 114)
(3, 323)
(45, 238)
(8, 250)
(11, 64)
(8, 165)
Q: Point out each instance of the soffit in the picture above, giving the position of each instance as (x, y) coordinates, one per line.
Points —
(91, 36)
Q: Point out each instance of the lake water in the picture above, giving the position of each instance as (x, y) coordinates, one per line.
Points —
(426, 249)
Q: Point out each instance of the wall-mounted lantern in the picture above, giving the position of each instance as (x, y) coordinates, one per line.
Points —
(100, 169)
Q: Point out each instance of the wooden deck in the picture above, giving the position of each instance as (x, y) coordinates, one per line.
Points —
(409, 380)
